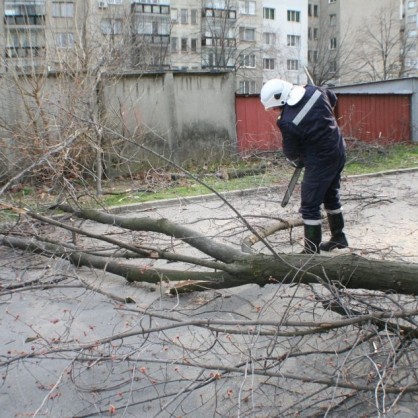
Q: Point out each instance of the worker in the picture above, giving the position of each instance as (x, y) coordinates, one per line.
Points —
(312, 139)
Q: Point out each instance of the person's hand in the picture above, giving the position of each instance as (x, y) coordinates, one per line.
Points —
(297, 163)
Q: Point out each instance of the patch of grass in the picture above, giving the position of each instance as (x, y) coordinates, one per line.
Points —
(361, 159)
(191, 187)
(370, 159)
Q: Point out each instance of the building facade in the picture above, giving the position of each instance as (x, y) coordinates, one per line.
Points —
(409, 29)
(257, 39)
(337, 41)
(353, 41)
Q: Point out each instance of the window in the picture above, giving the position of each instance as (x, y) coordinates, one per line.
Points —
(268, 13)
(313, 10)
(64, 40)
(62, 9)
(269, 38)
(268, 63)
(313, 33)
(333, 43)
(312, 56)
(216, 60)
(411, 63)
(174, 15)
(183, 44)
(247, 7)
(174, 44)
(24, 20)
(293, 40)
(333, 19)
(21, 43)
(246, 34)
(332, 1)
(292, 65)
(293, 16)
(248, 61)
(412, 4)
(111, 26)
(333, 66)
(247, 87)
(184, 16)
(114, 1)
(412, 18)
(193, 17)
(193, 45)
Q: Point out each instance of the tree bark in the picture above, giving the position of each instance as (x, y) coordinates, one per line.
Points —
(228, 266)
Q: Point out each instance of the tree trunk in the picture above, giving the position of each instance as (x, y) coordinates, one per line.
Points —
(228, 266)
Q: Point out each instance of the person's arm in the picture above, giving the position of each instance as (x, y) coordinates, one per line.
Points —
(332, 97)
(291, 146)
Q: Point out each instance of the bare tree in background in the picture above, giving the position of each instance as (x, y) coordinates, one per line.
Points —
(60, 105)
(330, 52)
(382, 46)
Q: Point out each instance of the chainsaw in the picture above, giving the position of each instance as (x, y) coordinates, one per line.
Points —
(292, 184)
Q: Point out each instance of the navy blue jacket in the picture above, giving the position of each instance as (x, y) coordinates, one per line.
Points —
(310, 130)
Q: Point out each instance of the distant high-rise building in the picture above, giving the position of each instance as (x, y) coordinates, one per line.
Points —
(337, 41)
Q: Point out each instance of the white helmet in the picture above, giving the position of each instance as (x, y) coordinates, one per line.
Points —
(276, 93)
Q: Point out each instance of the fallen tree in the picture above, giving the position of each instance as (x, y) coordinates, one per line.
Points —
(221, 265)
(307, 341)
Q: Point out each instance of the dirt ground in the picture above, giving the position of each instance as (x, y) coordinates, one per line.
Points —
(61, 307)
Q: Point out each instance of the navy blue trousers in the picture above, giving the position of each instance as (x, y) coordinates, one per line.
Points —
(321, 185)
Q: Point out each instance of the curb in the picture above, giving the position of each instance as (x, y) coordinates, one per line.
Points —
(146, 206)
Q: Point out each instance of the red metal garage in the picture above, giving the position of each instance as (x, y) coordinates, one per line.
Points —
(383, 118)
(256, 128)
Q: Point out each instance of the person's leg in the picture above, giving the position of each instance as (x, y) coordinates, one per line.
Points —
(312, 236)
(336, 225)
(335, 217)
(311, 197)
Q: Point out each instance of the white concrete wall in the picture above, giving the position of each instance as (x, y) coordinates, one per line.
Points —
(187, 117)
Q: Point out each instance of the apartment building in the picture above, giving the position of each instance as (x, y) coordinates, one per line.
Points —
(259, 39)
(23, 33)
(285, 36)
(409, 28)
(353, 40)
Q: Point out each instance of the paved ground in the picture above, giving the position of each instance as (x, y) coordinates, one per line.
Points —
(60, 309)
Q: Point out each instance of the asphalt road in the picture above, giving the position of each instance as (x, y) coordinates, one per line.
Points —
(47, 373)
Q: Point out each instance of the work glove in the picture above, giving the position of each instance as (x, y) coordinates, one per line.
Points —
(297, 163)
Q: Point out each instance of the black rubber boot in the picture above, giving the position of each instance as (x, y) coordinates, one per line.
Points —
(338, 239)
(313, 236)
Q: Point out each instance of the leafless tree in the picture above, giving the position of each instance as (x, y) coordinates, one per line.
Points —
(382, 46)
(201, 322)
(49, 103)
(325, 335)
(330, 51)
